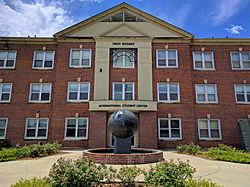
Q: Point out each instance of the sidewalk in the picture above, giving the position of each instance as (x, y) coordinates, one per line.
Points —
(224, 173)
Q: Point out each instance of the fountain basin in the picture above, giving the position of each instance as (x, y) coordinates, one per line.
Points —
(137, 156)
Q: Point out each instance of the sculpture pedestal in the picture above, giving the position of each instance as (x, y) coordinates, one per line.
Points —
(122, 145)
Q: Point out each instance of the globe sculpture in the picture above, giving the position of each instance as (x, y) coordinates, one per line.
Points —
(122, 124)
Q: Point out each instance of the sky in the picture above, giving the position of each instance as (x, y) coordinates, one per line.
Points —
(202, 18)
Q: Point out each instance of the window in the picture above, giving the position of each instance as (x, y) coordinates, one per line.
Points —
(240, 60)
(123, 58)
(123, 91)
(76, 128)
(203, 60)
(242, 93)
(3, 127)
(36, 128)
(80, 58)
(78, 91)
(168, 92)
(209, 129)
(206, 93)
(40, 92)
(169, 128)
(7, 59)
(166, 58)
(5, 92)
(43, 59)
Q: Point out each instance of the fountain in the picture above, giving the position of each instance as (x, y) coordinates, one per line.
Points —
(123, 124)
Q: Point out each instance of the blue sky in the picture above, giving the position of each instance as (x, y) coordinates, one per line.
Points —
(203, 18)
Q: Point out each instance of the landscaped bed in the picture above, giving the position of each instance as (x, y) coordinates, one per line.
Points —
(222, 153)
(83, 173)
(9, 154)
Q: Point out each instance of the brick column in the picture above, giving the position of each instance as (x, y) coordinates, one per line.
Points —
(148, 130)
(97, 130)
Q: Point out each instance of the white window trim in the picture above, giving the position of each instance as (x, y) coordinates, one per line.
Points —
(6, 126)
(168, 93)
(81, 50)
(76, 138)
(241, 61)
(169, 129)
(206, 94)
(40, 93)
(209, 130)
(123, 90)
(167, 63)
(203, 60)
(11, 85)
(44, 54)
(124, 62)
(5, 61)
(78, 93)
(36, 138)
(245, 94)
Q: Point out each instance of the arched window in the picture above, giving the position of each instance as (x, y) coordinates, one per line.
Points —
(123, 58)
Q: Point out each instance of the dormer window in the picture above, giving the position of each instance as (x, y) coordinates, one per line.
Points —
(123, 16)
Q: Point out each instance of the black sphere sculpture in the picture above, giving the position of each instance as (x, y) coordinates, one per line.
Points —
(122, 124)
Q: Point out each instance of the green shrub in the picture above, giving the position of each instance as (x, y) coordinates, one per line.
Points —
(28, 151)
(105, 174)
(5, 144)
(188, 148)
(68, 173)
(34, 182)
(169, 174)
(201, 183)
(229, 154)
(127, 175)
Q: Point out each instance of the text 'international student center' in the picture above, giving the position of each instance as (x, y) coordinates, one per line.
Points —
(182, 89)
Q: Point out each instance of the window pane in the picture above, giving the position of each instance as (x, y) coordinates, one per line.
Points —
(162, 63)
(198, 64)
(85, 62)
(10, 63)
(215, 133)
(171, 62)
(81, 133)
(128, 96)
(162, 87)
(84, 96)
(203, 133)
(128, 87)
(35, 96)
(118, 96)
(246, 64)
(84, 87)
(49, 56)
(38, 63)
(173, 88)
(73, 87)
(175, 133)
(43, 123)
(31, 133)
(35, 88)
(118, 87)
(2, 55)
(75, 54)
(175, 124)
(73, 95)
(236, 56)
(82, 123)
(161, 54)
(247, 89)
(211, 97)
(32, 123)
(41, 133)
(240, 89)
(6, 87)
(86, 54)
(200, 89)
(214, 124)
(163, 96)
(203, 124)
(198, 56)
(164, 133)
(236, 64)
(245, 57)
(201, 97)
(45, 88)
(208, 65)
(45, 97)
(75, 62)
(5, 96)
(2, 132)
(172, 55)
(210, 89)
(173, 96)
(71, 122)
(70, 133)
(1, 63)
(163, 123)
(2, 123)
(240, 97)
(38, 55)
(208, 57)
(48, 64)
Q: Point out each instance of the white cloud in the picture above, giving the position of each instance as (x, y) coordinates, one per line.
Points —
(235, 29)
(19, 18)
(95, 1)
(224, 10)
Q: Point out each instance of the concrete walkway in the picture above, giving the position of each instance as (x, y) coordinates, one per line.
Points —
(224, 173)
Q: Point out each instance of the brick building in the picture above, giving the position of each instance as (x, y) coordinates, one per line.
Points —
(182, 89)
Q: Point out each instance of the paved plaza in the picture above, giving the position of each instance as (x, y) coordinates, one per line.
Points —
(224, 173)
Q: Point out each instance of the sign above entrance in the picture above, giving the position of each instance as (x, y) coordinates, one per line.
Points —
(111, 105)
(123, 43)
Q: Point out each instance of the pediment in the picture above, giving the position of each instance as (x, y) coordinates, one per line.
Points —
(123, 21)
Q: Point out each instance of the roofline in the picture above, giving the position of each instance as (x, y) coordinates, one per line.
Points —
(121, 6)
